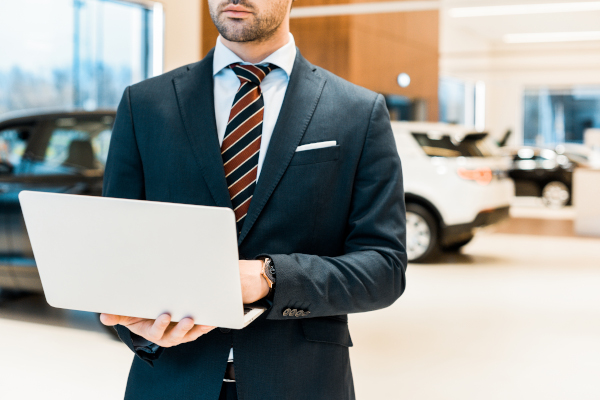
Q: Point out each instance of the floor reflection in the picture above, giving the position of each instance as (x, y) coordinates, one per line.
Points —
(33, 308)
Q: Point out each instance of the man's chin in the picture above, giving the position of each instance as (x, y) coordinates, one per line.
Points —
(236, 39)
(237, 36)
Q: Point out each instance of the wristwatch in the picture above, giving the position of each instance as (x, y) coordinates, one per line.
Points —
(268, 272)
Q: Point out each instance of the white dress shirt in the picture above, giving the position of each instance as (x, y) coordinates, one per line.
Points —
(273, 87)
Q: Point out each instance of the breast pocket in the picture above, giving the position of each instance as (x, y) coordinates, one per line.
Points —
(316, 156)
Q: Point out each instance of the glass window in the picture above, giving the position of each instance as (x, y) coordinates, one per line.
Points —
(452, 93)
(72, 53)
(560, 116)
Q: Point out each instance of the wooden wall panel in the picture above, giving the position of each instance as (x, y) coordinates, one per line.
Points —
(324, 42)
(209, 32)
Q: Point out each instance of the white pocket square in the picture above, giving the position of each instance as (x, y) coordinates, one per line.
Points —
(319, 145)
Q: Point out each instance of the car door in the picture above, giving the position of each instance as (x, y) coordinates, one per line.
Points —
(64, 155)
(13, 142)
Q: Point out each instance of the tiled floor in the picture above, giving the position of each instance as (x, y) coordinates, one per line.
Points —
(517, 316)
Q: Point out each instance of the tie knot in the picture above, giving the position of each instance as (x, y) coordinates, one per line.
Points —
(252, 73)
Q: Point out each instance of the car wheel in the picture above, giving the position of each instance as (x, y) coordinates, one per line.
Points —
(555, 195)
(455, 247)
(421, 234)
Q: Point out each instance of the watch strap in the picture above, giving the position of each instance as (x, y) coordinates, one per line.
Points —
(270, 269)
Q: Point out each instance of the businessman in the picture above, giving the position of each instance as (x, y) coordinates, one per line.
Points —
(309, 165)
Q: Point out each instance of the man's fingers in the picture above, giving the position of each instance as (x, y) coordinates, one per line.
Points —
(196, 332)
(206, 328)
(158, 328)
(110, 319)
(160, 331)
(180, 330)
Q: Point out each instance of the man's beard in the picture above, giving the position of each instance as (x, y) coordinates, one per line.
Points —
(259, 29)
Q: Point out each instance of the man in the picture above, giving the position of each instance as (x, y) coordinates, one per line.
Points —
(309, 164)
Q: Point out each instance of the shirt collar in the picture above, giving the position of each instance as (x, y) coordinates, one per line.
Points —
(284, 57)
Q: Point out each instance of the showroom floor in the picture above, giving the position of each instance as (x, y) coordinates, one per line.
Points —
(516, 316)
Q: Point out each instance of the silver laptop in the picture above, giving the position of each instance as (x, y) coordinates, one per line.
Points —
(137, 258)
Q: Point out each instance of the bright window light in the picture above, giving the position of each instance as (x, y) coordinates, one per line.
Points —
(480, 106)
(549, 37)
(158, 33)
(521, 9)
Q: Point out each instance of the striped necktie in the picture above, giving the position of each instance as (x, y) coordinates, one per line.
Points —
(241, 143)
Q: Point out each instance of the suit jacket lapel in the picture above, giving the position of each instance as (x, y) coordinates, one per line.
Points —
(301, 98)
(194, 90)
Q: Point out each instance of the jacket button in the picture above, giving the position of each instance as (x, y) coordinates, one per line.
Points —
(225, 330)
(300, 313)
(293, 312)
(287, 312)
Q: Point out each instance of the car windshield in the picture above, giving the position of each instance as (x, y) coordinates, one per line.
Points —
(443, 145)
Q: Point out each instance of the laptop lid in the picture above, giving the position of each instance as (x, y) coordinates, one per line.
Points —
(136, 258)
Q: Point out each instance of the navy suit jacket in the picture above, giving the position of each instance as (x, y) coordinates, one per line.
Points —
(332, 220)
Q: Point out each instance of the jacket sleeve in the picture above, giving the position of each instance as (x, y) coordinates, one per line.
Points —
(371, 273)
(124, 178)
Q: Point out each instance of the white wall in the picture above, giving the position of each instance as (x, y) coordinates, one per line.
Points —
(182, 32)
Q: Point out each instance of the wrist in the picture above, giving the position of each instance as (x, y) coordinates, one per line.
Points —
(268, 273)
(265, 289)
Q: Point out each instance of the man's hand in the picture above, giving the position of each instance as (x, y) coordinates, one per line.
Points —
(161, 330)
(165, 333)
(254, 285)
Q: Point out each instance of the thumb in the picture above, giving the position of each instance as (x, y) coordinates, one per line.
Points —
(110, 319)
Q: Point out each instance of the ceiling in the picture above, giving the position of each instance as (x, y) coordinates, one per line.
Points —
(494, 28)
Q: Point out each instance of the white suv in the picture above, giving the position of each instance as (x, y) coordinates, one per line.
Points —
(454, 181)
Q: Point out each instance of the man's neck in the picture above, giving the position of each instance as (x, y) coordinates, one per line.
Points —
(255, 52)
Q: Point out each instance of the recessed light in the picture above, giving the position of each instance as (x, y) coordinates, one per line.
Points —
(521, 9)
(549, 37)
(403, 80)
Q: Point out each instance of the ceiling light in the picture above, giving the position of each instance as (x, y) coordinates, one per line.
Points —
(403, 80)
(521, 9)
(548, 37)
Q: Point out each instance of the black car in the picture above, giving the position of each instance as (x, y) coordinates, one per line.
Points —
(542, 173)
(62, 152)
